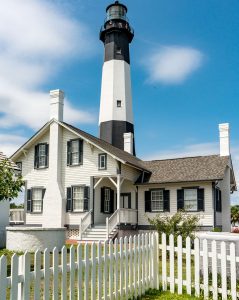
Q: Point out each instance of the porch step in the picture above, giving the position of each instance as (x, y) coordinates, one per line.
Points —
(97, 233)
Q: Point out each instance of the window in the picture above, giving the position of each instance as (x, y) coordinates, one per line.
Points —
(157, 203)
(78, 198)
(190, 200)
(41, 156)
(107, 201)
(74, 152)
(19, 165)
(218, 200)
(102, 161)
(37, 195)
(118, 103)
(118, 50)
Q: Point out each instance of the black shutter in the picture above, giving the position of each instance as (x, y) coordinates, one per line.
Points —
(36, 157)
(80, 151)
(47, 155)
(102, 200)
(68, 153)
(147, 200)
(166, 200)
(180, 199)
(29, 201)
(105, 161)
(86, 198)
(99, 156)
(69, 206)
(112, 201)
(129, 203)
(43, 194)
(200, 199)
(220, 201)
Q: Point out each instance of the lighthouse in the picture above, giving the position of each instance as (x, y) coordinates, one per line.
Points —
(116, 114)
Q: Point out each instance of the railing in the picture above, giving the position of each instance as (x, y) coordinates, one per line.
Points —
(16, 216)
(125, 269)
(122, 215)
(85, 223)
(112, 222)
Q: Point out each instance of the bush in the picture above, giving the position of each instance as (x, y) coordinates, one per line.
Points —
(217, 229)
(181, 223)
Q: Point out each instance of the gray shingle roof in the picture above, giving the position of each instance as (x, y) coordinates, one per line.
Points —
(123, 155)
(187, 169)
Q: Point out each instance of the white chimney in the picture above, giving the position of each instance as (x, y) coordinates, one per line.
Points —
(224, 139)
(129, 142)
(56, 105)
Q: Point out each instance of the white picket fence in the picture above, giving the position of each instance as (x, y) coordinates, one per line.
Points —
(197, 269)
(120, 270)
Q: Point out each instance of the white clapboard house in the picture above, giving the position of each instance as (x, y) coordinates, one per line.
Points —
(97, 187)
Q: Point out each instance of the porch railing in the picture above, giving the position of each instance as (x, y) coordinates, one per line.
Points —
(122, 215)
(85, 223)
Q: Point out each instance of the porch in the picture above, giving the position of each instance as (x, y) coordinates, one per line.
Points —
(113, 205)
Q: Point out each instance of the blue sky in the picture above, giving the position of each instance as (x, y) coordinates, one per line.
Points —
(184, 66)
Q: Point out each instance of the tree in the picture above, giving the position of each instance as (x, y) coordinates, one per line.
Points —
(10, 182)
(234, 214)
(177, 224)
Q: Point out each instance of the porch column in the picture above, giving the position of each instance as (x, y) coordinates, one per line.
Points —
(118, 190)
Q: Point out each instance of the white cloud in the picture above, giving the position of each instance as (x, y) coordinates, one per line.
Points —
(173, 64)
(36, 39)
(197, 150)
(9, 143)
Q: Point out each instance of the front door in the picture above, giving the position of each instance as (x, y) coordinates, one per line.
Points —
(125, 200)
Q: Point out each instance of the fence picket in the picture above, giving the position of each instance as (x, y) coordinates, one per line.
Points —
(99, 271)
(139, 266)
(152, 261)
(197, 267)
(224, 270)
(214, 270)
(93, 274)
(86, 268)
(135, 268)
(80, 267)
(14, 277)
(55, 273)
(156, 265)
(26, 276)
(111, 279)
(46, 281)
(72, 272)
(130, 266)
(126, 247)
(37, 275)
(143, 264)
(180, 270)
(233, 271)
(188, 265)
(64, 273)
(164, 262)
(205, 269)
(171, 262)
(3, 277)
(116, 269)
(121, 269)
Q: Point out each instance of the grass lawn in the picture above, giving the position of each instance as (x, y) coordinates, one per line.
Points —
(166, 296)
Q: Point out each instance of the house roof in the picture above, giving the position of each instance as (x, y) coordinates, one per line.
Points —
(4, 157)
(122, 155)
(187, 169)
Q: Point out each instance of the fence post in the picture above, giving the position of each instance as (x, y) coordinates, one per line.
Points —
(180, 271)
(205, 269)
(164, 262)
(197, 266)
(233, 272)
(188, 265)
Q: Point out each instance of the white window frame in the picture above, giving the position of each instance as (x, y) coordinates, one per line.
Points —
(157, 200)
(78, 203)
(36, 202)
(107, 200)
(192, 199)
(102, 164)
(77, 153)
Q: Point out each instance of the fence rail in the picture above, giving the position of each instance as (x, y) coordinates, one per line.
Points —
(120, 270)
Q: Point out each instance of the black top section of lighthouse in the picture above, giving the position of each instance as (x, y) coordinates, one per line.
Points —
(116, 33)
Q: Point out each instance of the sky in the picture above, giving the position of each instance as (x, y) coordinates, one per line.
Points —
(184, 69)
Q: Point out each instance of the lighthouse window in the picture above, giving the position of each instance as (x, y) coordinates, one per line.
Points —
(118, 103)
(118, 50)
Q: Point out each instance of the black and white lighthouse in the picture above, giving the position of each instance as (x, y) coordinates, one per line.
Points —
(116, 114)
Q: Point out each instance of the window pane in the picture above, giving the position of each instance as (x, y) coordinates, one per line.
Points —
(78, 198)
(75, 158)
(157, 200)
(102, 161)
(190, 199)
(36, 200)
